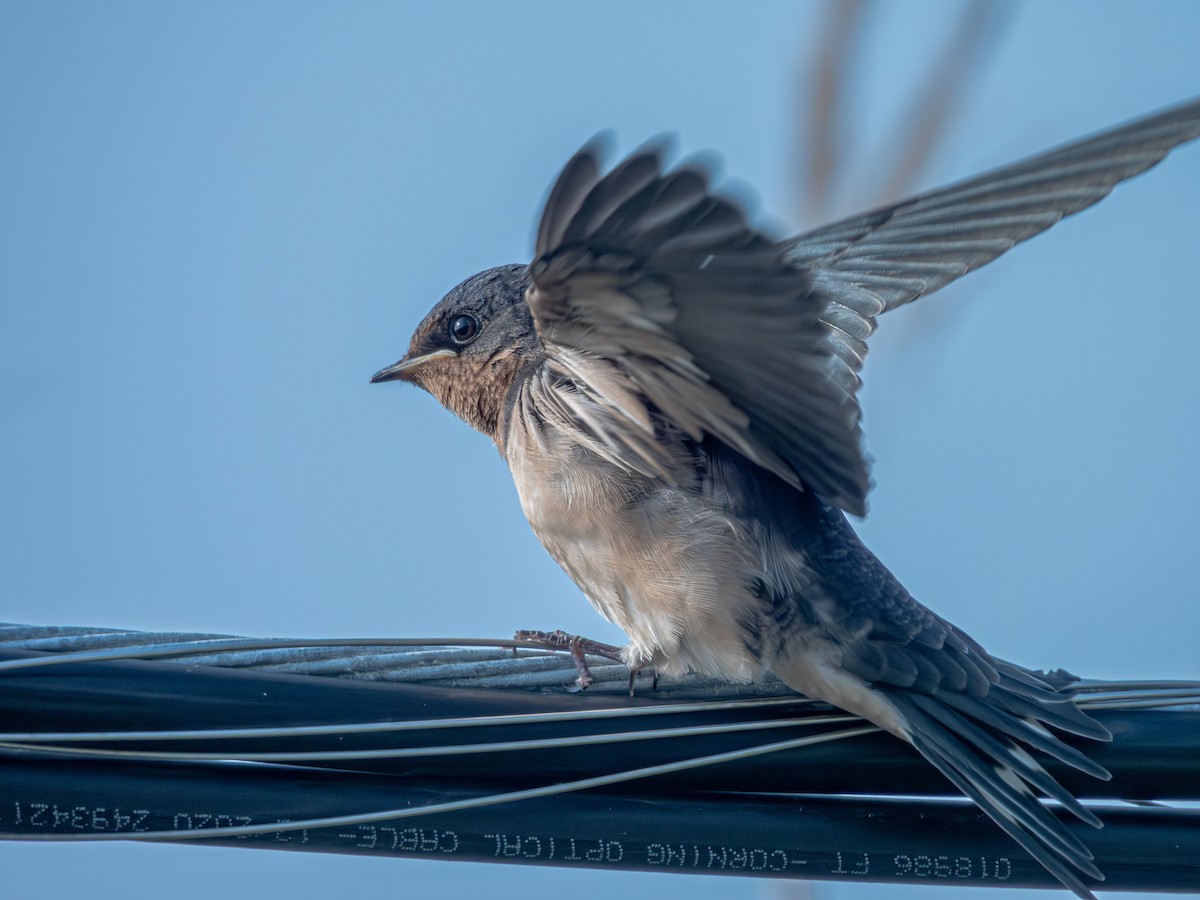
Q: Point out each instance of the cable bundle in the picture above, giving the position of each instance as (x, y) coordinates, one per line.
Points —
(474, 750)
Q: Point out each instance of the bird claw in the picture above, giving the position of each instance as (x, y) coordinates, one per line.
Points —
(578, 647)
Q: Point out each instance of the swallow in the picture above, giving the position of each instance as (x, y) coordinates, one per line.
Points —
(674, 391)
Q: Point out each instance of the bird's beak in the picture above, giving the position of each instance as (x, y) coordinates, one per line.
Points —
(406, 365)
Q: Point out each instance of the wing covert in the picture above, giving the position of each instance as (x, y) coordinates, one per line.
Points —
(647, 283)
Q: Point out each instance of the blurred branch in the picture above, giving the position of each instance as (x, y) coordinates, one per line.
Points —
(826, 130)
(826, 92)
(943, 94)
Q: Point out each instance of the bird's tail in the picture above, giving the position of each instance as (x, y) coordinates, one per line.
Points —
(977, 743)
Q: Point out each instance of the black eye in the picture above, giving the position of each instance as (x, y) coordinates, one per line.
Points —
(463, 329)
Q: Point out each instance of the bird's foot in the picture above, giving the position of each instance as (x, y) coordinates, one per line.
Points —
(579, 647)
(634, 671)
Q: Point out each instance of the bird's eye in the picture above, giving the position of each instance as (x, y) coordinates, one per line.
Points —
(463, 329)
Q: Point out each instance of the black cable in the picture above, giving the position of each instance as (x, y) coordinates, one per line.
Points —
(722, 833)
(372, 750)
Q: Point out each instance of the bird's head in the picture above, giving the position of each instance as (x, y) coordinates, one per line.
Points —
(472, 345)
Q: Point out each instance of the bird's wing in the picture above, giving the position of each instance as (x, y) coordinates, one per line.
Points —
(656, 299)
(877, 261)
(652, 292)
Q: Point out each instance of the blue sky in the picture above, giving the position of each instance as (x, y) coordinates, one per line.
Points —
(218, 219)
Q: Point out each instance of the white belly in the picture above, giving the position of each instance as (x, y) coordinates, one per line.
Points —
(665, 566)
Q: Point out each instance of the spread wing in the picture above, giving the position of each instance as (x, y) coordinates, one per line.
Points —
(883, 259)
(655, 296)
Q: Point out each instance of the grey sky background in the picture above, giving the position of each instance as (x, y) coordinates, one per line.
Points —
(218, 219)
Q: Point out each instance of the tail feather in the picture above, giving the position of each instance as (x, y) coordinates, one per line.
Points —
(1061, 866)
(1003, 788)
(1056, 698)
(1005, 753)
(1019, 676)
(973, 742)
(1050, 707)
(1029, 731)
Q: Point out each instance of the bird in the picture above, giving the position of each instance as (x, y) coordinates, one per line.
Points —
(674, 390)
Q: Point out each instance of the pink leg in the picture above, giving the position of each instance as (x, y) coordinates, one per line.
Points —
(579, 647)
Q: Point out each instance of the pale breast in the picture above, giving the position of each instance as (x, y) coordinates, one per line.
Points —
(666, 564)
